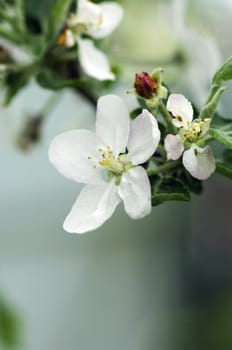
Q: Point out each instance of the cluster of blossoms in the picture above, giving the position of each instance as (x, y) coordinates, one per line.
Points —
(198, 161)
(110, 162)
(189, 135)
(161, 154)
(127, 160)
(92, 21)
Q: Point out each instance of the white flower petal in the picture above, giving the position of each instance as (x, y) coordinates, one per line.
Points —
(92, 208)
(111, 15)
(93, 61)
(113, 123)
(135, 191)
(144, 138)
(88, 13)
(69, 154)
(180, 107)
(69, 39)
(199, 162)
(173, 146)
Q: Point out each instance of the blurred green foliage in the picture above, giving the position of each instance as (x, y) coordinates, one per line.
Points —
(9, 335)
(34, 26)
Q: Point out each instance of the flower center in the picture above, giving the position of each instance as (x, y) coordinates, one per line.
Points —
(197, 129)
(109, 162)
(80, 24)
(115, 166)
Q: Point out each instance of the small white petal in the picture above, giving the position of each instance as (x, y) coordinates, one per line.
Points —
(92, 208)
(173, 146)
(69, 154)
(111, 15)
(69, 39)
(135, 191)
(113, 123)
(199, 162)
(88, 13)
(93, 61)
(144, 138)
(180, 107)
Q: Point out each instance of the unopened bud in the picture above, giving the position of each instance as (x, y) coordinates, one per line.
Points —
(145, 85)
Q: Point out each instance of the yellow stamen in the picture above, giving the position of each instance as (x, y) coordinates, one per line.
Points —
(62, 38)
(100, 20)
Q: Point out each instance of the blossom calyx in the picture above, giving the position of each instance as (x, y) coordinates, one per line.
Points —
(162, 91)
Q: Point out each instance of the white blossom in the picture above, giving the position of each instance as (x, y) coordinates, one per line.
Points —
(181, 110)
(97, 21)
(198, 161)
(108, 163)
(174, 146)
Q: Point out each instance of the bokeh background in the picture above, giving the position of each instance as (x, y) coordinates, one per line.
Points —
(161, 283)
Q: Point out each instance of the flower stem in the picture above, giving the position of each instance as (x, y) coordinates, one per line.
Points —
(226, 127)
(162, 151)
(162, 168)
(211, 138)
(212, 92)
(50, 104)
(167, 117)
(205, 141)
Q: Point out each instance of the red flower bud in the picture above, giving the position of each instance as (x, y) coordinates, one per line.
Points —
(145, 85)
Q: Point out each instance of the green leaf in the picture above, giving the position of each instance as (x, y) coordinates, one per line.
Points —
(38, 9)
(58, 14)
(221, 122)
(192, 184)
(8, 326)
(224, 168)
(16, 79)
(49, 81)
(51, 15)
(223, 137)
(20, 15)
(6, 34)
(14, 82)
(209, 109)
(227, 156)
(168, 189)
(224, 73)
(37, 45)
(214, 88)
